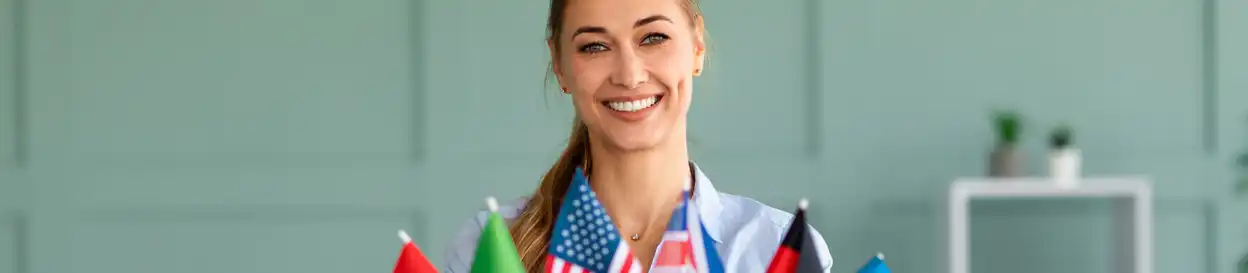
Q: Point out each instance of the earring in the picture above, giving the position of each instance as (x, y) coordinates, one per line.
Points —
(697, 71)
(565, 89)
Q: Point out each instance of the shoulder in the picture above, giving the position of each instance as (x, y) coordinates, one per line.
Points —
(459, 254)
(750, 229)
(749, 210)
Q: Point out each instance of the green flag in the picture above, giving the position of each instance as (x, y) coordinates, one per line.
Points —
(496, 253)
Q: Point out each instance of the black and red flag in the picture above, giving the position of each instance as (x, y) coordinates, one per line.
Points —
(797, 250)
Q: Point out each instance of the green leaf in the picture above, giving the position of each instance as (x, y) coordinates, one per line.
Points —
(1008, 126)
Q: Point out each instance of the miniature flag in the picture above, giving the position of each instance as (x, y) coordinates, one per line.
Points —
(585, 238)
(411, 260)
(686, 247)
(496, 252)
(796, 253)
(875, 265)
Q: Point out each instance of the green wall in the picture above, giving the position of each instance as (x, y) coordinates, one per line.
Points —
(298, 135)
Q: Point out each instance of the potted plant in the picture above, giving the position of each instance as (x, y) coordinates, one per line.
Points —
(1006, 158)
(1064, 159)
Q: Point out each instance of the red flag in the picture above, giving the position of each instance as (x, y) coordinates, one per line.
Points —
(411, 260)
(789, 258)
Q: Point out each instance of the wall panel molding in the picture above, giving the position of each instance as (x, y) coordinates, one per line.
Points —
(309, 214)
(227, 84)
(1210, 73)
(1232, 109)
(284, 213)
(1231, 64)
(242, 238)
(176, 160)
(15, 222)
(89, 188)
(12, 84)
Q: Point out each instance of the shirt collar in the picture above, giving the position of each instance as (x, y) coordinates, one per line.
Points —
(706, 198)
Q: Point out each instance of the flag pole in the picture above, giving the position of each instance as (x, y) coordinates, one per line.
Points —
(403, 236)
(802, 204)
(492, 203)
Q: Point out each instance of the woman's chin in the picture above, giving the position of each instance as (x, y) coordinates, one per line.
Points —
(635, 141)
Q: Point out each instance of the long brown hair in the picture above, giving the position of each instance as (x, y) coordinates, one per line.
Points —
(532, 229)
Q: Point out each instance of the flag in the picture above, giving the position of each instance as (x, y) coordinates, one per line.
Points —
(875, 265)
(411, 260)
(496, 252)
(796, 252)
(686, 247)
(585, 238)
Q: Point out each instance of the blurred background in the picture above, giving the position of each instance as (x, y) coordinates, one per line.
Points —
(299, 135)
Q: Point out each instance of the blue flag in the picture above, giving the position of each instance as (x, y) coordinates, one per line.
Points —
(875, 265)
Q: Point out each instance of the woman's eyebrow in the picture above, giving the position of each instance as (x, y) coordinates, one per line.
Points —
(639, 23)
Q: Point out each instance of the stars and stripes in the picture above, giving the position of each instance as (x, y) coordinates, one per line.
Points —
(585, 239)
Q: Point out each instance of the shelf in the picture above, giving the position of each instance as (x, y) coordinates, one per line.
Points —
(1134, 216)
(1044, 187)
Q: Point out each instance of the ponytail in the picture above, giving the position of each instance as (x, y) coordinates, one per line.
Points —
(532, 229)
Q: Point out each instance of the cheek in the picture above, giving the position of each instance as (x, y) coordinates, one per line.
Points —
(672, 61)
(585, 79)
(673, 69)
(588, 74)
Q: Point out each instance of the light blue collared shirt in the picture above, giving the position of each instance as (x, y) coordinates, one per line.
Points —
(746, 232)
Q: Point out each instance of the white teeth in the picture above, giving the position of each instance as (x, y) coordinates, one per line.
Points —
(632, 106)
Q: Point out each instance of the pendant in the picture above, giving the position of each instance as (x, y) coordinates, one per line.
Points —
(636, 236)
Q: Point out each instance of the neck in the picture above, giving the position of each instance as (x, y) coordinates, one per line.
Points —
(638, 187)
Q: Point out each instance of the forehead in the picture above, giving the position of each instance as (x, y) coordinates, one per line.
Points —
(619, 14)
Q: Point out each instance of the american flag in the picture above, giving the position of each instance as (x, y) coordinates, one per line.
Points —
(585, 239)
(686, 247)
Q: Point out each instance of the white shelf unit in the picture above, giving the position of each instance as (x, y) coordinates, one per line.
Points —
(1133, 215)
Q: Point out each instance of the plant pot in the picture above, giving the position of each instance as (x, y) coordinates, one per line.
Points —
(1006, 161)
(1065, 167)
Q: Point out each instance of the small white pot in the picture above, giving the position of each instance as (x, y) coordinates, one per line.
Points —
(1065, 167)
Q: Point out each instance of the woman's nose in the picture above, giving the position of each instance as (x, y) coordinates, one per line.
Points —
(630, 71)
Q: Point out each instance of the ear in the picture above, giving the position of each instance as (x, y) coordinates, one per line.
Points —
(554, 63)
(699, 46)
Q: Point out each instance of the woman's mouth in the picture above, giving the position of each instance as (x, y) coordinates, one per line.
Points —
(633, 105)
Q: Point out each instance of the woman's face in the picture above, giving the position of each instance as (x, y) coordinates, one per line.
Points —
(628, 65)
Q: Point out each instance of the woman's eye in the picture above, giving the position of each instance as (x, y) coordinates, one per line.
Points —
(593, 48)
(654, 38)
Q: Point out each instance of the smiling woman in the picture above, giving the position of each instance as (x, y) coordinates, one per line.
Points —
(628, 66)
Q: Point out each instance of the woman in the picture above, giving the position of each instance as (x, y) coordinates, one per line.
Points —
(629, 66)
